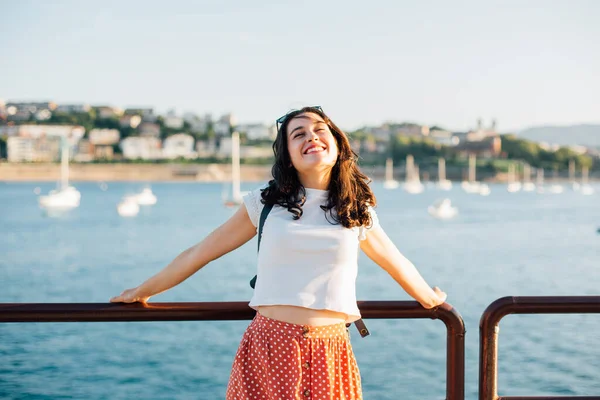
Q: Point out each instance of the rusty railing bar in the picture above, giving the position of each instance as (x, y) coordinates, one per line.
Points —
(548, 398)
(222, 311)
(488, 333)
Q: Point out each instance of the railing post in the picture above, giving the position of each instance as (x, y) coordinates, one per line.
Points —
(489, 329)
(455, 352)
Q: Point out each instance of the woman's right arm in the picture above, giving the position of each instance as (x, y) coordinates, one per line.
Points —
(236, 231)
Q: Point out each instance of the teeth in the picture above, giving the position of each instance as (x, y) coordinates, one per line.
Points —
(314, 150)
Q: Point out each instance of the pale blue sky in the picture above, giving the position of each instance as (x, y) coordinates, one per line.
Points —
(433, 62)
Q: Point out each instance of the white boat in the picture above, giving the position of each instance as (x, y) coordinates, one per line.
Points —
(443, 183)
(484, 190)
(585, 189)
(539, 180)
(389, 182)
(555, 188)
(513, 184)
(528, 186)
(145, 197)
(472, 185)
(412, 182)
(65, 197)
(236, 195)
(128, 207)
(442, 209)
(574, 185)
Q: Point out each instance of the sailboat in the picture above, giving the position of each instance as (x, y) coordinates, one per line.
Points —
(555, 187)
(389, 182)
(539, 180)
(443, 183)
(528, 186)
(574, 184)
(145, 197)
(586, 188)
(472, 186)
(65, 197)
(412, 182)
(442, 209)
(513, 184)
(128, 207)
(236, 194)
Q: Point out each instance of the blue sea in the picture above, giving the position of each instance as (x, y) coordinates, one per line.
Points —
(520, 244)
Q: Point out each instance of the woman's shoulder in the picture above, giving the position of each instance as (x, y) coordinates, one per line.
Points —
(253, 202)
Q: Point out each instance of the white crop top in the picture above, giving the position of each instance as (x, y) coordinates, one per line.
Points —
(306, 262)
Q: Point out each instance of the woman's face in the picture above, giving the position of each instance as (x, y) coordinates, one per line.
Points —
(310, 143)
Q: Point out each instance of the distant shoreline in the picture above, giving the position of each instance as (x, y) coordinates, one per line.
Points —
(50, 172)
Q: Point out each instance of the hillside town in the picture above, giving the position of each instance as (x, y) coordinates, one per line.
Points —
(32, 132)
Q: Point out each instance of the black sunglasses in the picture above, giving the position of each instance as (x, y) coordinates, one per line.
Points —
(282, 119)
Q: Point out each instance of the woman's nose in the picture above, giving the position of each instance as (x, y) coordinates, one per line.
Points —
(312, 136)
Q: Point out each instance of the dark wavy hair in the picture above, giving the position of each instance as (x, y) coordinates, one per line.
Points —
(349, 192)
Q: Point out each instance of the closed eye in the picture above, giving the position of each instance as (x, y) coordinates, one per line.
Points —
(298, 134)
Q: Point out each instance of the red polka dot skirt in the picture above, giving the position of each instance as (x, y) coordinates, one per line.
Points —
(277, 360)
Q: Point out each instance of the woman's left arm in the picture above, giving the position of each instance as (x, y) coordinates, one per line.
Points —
(379, 248)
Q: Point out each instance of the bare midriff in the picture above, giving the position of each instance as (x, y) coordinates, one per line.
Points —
(301, 315)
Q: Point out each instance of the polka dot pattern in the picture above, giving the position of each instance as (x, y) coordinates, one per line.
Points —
(281, 361)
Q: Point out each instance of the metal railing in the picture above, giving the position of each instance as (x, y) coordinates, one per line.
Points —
(488, 334)
(107, 312)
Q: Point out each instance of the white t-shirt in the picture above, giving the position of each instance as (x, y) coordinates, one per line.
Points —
(306, 262)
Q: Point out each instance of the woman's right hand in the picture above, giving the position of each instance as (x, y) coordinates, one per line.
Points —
(130, 296)
(441, 295)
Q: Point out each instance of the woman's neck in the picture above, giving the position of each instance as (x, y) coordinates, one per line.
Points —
(314, 181)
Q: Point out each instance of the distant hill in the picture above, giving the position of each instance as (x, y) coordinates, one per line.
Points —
(585, 135)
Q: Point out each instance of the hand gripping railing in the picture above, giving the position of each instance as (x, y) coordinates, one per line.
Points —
(107, 312)
(488, 334)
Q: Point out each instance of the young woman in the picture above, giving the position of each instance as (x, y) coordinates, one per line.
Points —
(298, 346)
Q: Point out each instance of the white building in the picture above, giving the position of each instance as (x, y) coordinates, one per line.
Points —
(146, 148)
(29, 149)
(20, 149)
(257, 131)
(179, 145)
(72, 132)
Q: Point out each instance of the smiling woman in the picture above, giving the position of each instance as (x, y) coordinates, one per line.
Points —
(311, 146)
(320, 212)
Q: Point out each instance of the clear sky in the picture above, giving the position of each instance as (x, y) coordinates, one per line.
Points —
(448, 63)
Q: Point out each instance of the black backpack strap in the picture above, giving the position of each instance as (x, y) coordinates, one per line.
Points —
(263, 216)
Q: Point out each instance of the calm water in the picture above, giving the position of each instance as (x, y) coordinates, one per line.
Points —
(504, 244)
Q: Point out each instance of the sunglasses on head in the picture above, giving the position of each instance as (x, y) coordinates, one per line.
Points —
(282, 119)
